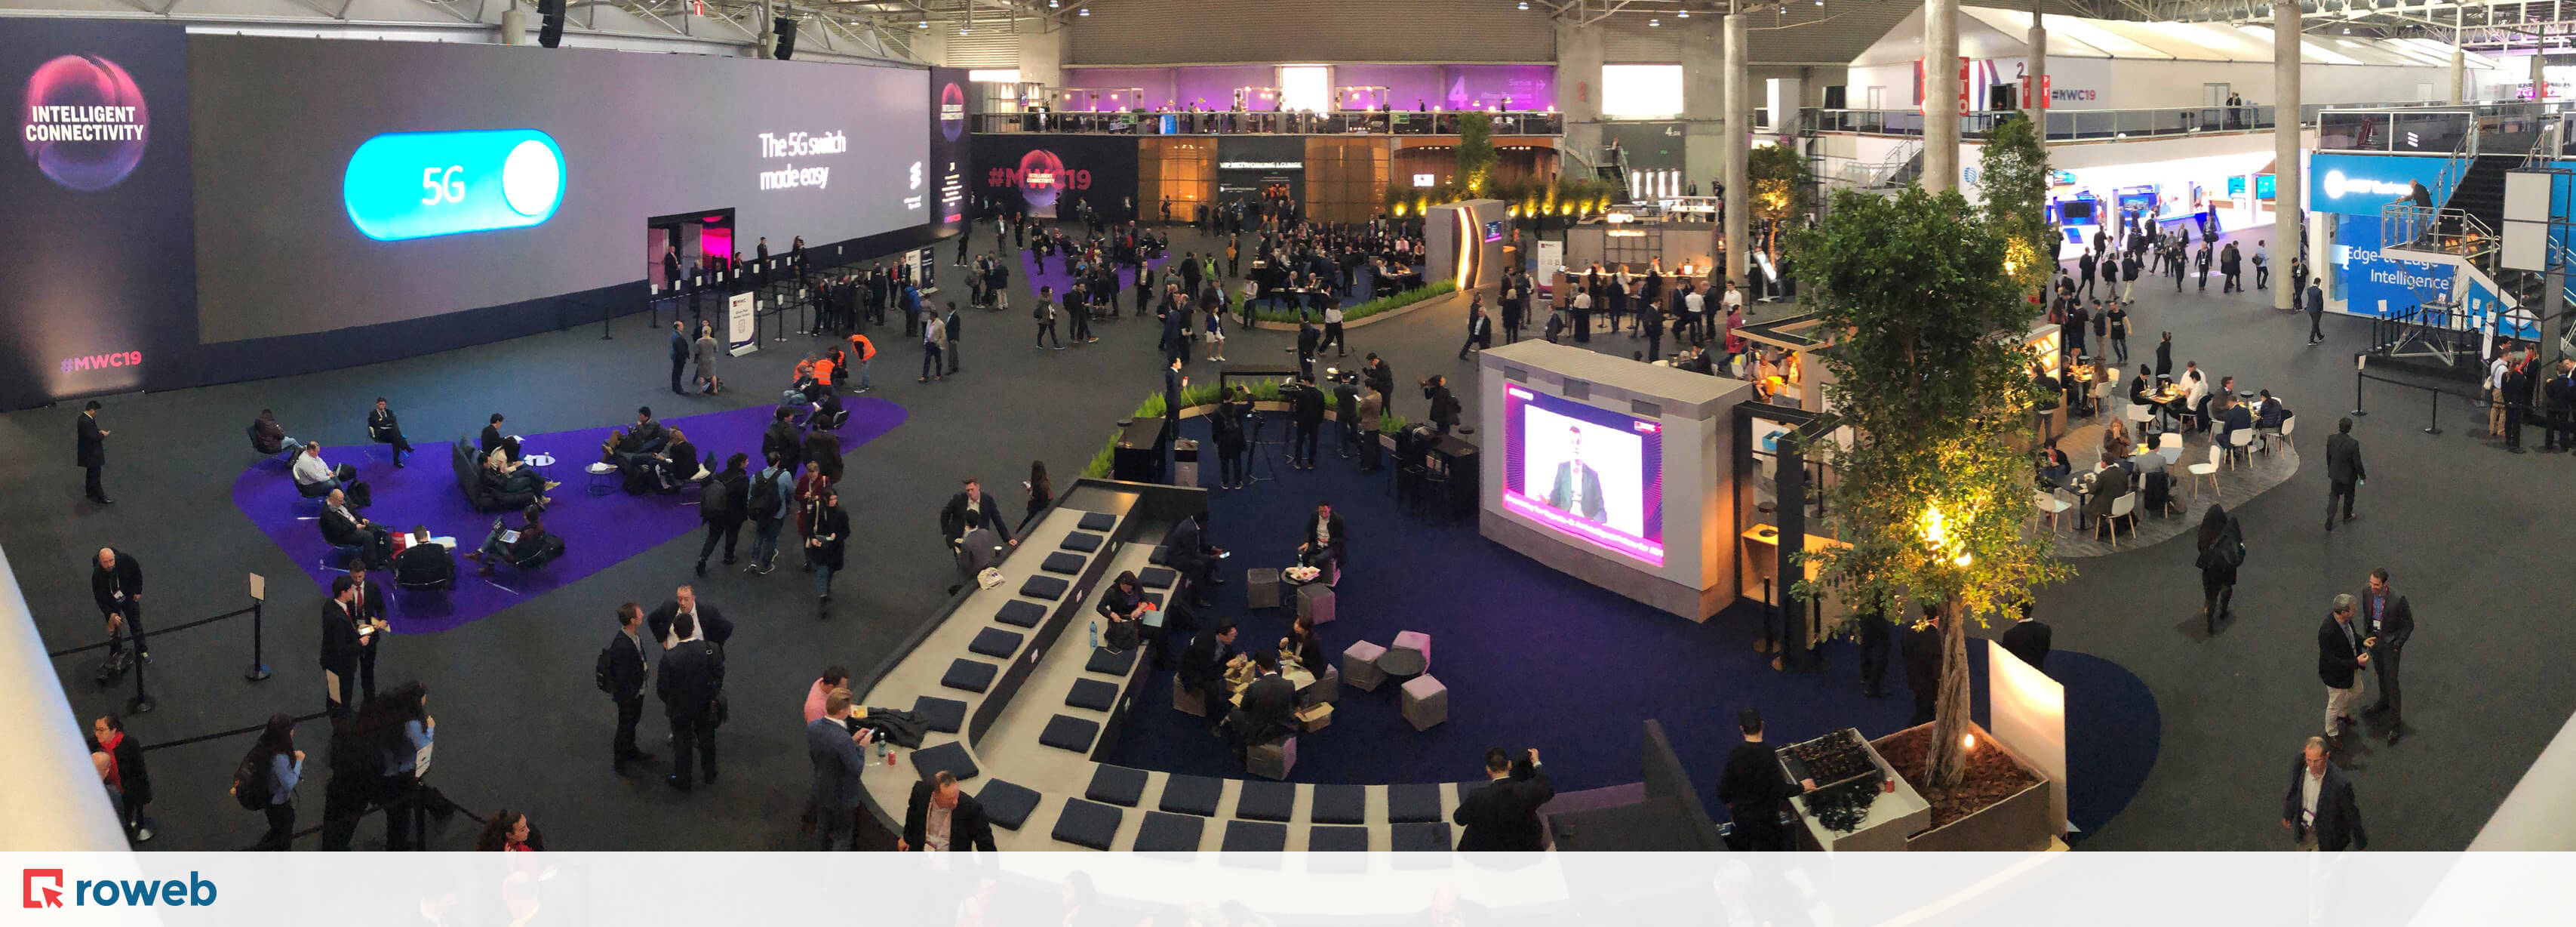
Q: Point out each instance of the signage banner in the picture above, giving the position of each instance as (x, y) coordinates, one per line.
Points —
(951, 108)
(742, 323)
(2360, 184)
(1551, 255)
(2367, 279)
(1048, 174)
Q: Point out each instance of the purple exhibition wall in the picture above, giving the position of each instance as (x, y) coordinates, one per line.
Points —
(1409, 86)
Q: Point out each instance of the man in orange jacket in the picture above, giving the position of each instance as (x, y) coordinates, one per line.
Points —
(865, 351)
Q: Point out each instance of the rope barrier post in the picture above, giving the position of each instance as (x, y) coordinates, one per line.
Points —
(2359, 361)
(2435, 427)
(141, 703)
(258, 654)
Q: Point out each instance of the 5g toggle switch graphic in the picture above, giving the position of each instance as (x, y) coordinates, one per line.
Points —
(407, 185)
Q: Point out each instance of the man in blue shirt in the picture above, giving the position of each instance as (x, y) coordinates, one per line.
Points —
(679, 355)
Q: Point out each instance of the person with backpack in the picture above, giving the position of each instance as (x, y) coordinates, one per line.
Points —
(2222, 550)
(620, 672)
(723, 499)
(770, 490)
(267, 778)
(1044, 313)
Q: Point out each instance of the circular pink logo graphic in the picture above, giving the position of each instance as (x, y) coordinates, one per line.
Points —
(952, 111)
(84, 122)
(1041, 178)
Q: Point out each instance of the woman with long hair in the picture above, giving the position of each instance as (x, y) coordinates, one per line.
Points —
(403, 727)
(507, 831)
(1041, 493)
(285, 765)
(2222, 547)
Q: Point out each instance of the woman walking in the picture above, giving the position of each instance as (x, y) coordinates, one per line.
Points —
(2222, 548)
(285, 769)
(1041, 494)
(705, 354)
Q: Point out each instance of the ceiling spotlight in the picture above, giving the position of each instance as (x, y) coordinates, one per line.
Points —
(925, 24)
(1085, 11)
(1050, 4)
(1654, 22)
(1524, 4)
(1685, 14)
(961, 30)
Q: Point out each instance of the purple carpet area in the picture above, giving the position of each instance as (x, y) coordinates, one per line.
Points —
(1061, 279)
(598, 530)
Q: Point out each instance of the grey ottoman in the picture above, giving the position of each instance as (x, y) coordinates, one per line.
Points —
(1409, 655)
(1315, 603)
(1359, 666)
(1189, 703)
(1261, 587)
(1272, 760)
(1326, 690)
(1426, 701)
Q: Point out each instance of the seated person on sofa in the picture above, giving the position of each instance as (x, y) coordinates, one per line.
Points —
(350, 534)
(424, 564)
(494, 440)
(629, 447)
(526, 546)
(269, 437)
(315, 479)
(508, 477)
(675, 464)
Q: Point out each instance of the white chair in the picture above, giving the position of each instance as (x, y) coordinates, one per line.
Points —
(2051, 506)
(2287, 425)
(2170, 445)
(2124, 507)
(2237, 441)
(2209, 470)
(2102, 393)
(2139, 416)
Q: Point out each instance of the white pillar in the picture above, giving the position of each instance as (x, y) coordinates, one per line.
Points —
(2459, 61)
(514, 26)
(2037, 104)
(2287, 184)
(1940, 95)
(1704, 112)
(2539, 76)
(1737, 145)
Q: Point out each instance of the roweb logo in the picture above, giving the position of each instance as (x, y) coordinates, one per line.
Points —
(45, 888)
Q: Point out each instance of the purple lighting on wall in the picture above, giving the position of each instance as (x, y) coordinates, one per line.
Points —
(1451, 87)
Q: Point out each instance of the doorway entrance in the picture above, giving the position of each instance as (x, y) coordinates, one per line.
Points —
(690, 254)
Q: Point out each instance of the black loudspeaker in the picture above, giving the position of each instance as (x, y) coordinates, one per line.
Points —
(550, 14)
(1835, 95)
(786, 29)
(2003, 97)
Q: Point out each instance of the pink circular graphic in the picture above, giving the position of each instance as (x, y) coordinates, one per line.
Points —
(84, 122)
(1041, 178)
(952, 111)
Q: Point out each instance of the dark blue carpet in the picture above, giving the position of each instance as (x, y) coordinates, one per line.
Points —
(1535, 658)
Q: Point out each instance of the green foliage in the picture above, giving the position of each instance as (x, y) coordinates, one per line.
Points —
(1206, 395)
(2014, 177)
(1364, 310)
(1783, 185)
(1476, 157)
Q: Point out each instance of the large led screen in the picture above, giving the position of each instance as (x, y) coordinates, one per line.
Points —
(343, 184)
(1586, 472)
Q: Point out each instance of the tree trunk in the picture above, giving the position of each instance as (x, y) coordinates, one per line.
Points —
(1950, 706)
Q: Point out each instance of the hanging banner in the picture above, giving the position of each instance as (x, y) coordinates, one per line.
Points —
(742, 323)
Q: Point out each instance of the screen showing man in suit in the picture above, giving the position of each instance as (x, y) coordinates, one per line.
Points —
(1585, 471)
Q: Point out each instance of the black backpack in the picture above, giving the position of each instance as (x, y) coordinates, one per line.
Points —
(713, 499)
(599, 672)
(251, 782)
(764, 494)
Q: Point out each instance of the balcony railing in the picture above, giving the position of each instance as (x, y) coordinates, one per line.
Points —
(1344, 122)
(2063, 125)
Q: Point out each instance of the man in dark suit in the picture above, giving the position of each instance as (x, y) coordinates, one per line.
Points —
(2340, 657)
(1751, 787)
(839, 756)
(1444, 406)
(341, 641)
(2028, 639)
(424, 565)
(704, 620)
(2387, 621)
(353, 539)
(116, 584)
(2320, 810)
(671, 267)
(383, 428)
(2343, 470)
(679, 354)
(93, 452)
(1269, 707)
(1173, 382)
(1203, 666)
(1379, 378)
(734, 483)
(493, 439)
(627, 670)
(784, 439)
(369, 600)
(941, 816)
(692, 677)
(1324, 541)
(1306, 410)
(952, 517)
(1502, 814)
(1577, 488)
(1187, 552)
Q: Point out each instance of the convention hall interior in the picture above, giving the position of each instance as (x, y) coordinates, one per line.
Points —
(1211, 309)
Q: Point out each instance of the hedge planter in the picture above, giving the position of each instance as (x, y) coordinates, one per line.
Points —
(2001, 803)
(1384, 307)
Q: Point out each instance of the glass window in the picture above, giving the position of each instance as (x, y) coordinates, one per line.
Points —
(1641, 91)
(1306, 87)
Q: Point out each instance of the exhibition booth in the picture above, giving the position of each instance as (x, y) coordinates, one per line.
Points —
(245, 206)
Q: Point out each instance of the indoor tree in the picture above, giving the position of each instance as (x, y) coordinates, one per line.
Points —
(2013, 177)
(1476, 158)
(1930, 494)
(1783, 187)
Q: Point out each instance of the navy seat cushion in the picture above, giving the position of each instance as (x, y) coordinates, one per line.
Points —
(1157, 577)
(1044, 587)
(1087, 823)
(1340, 804)
(1066, 732)
(1022, 614)
(1254, 837)
(1098, 521)
(1420, 838)
(950, 756)
(1169, 833)
(1192, 795)
(1161, 555)
(1116, 785)
(1409, 804)
(970, 675)
(995, 642)
(1266, 801)
(1006, 804)
(945, 715)
(1093, 694)
(1112, 662)
(1337, 839)
(1082, 541)
(1063, 562)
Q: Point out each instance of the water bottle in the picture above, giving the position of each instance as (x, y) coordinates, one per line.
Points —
(1095, 634)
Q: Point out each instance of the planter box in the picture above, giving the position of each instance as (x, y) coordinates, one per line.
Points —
(2020, 822)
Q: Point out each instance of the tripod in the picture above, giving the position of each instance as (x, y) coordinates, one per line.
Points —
(1260, 460)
